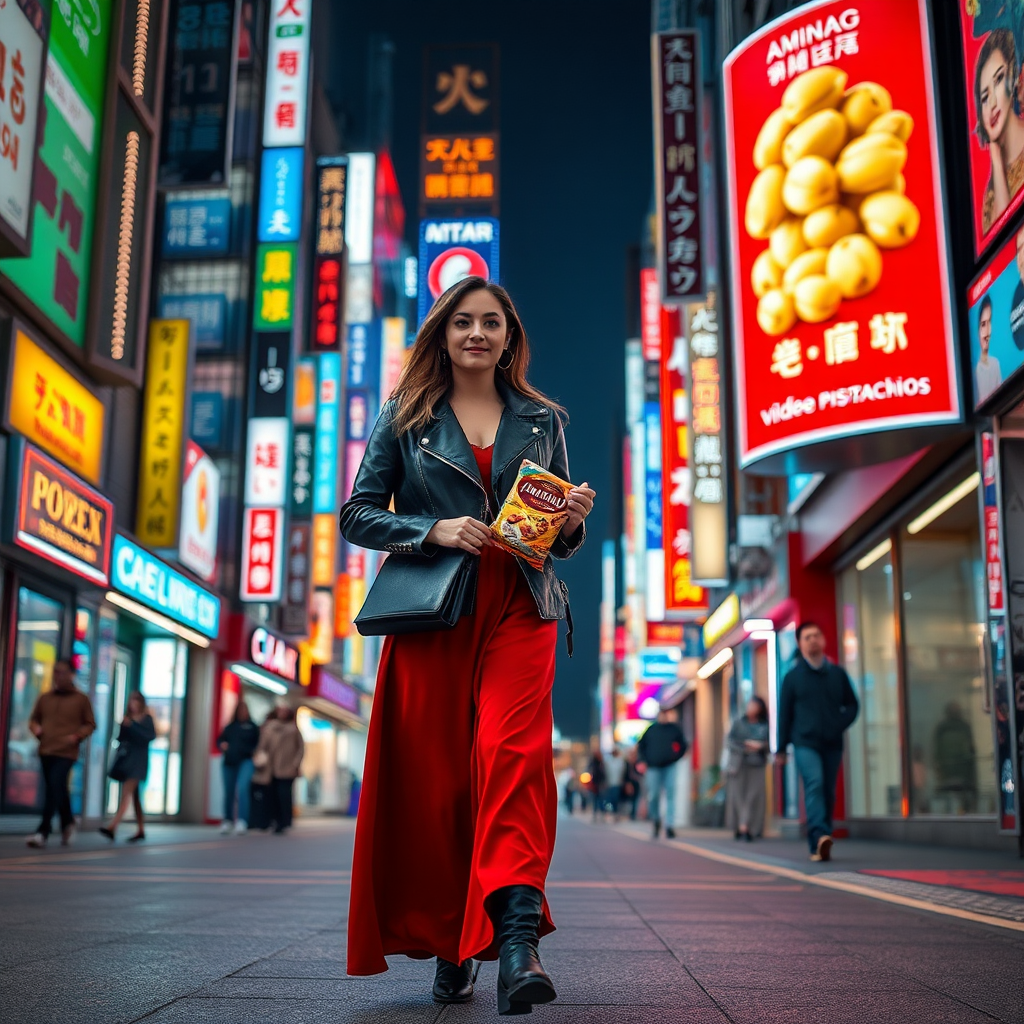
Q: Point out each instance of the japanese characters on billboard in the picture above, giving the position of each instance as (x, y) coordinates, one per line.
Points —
(681, 594)
(280, 215)
(650, 314)
(164, 417)
(198, 101)
(295, 608)
(677, 113)
(459, 169)
(284, 105)
(200, 513)
(56, 276)
(996, 320)
(452, 250)
(841, 305)
(262, 554)
(50, 405)
(22, 62)
(331, 174)
(266, 466)
(992, 32)
(460, 89)
(709, 498)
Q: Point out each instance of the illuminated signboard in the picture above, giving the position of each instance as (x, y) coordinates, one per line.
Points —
(359, 207)
(208, 313)
(328, 423)
(275, 287)
(270, 362)
(280, 216)
(295, 607)
(21, 90)
(56, 276)
(151, 582)
(723, 619)
(165, 403)
(62, 519)
(677, 107)
(650, 314)
(331, 173)
(266, 466)
(53, 409)
(363, 356)
(993, 40)
(197, 224)
(709, 492)
(392, 354)
(996, 320)
(287, 74)
(460, 89)
(840, 279)
(325, 544)
(274, 654)
(327, 295)
(329, 687)
(680, 475)
(451, 250)
(262, 554)
(200, 513)
(459, 169)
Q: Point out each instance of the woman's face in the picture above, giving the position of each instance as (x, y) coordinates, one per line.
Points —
(753, 710)
(996, 104)
(477, 332)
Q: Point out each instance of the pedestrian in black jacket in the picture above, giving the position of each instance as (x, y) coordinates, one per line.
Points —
(238, 742)
(816, 707)
(660, 747)
(131, 766)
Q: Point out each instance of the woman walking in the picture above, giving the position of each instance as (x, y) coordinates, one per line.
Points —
(748, 755)
(131, 765)
(459, 748)
(278, 760)
(237, 741)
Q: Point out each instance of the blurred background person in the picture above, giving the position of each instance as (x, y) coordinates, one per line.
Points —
(615, 770)
(283, 747)
(632, 781)
(598, 780)
(238, 742)
(131, 765)
(660, 747)
(748, 755)
(61, 719)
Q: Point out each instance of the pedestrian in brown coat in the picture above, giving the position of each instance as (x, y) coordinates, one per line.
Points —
(61, 719)
(278, 759)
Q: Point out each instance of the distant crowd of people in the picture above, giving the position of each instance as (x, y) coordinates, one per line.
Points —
(260, 763)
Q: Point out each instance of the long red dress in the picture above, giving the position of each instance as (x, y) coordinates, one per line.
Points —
(458, 796)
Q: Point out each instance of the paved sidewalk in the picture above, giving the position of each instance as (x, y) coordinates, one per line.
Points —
(232, 931)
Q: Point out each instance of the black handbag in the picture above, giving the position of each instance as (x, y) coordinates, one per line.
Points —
(119, 766)
(416, 594)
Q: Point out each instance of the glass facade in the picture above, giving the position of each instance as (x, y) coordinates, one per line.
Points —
(912, 612)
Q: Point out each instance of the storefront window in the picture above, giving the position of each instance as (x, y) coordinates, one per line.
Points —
(162, 681)
(868, 638)
(37, 648)
(952, 761)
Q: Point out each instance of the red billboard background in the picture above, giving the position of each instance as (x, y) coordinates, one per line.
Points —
(975, 31)
(885, 359)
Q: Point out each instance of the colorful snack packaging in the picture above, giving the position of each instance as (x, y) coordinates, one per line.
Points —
(533, 514)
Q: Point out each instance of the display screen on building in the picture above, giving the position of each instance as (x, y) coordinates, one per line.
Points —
(993, 40)
(200, 513)
(451, 250)
(840, 280)
(55, 277)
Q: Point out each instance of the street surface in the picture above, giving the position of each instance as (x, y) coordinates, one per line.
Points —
(194, 928)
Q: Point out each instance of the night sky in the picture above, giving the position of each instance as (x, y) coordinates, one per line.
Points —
(576, 184)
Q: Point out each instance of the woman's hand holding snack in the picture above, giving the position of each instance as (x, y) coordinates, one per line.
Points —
(466, 533)
(580, 503)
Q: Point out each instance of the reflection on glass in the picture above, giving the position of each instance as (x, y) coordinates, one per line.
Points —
(868, 638)
(943, 607)
(37, 648)
(162, 681)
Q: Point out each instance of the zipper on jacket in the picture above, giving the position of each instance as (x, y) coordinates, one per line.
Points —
(468, 476)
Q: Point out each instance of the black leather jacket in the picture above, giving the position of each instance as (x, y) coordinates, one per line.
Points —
(432, 474)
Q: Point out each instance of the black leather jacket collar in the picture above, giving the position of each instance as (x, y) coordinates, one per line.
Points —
(432, 474)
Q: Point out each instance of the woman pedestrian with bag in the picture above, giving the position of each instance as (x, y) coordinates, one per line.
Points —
(131, 764)
(459, 749)
(278, 760)
(747, 756)
(238, 741)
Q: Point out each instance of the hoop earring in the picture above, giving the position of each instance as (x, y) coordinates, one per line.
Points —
(511, 358)
(444, 357)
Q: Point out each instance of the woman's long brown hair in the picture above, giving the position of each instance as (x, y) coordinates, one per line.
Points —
(427, 376)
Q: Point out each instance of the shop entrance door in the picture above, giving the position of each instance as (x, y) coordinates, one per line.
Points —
(119, 690)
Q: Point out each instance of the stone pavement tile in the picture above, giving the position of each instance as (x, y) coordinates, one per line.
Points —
(591, 919)
(294, 1011)
(602, 938)
(361, 990)
(833, 1005)
(561, 1013)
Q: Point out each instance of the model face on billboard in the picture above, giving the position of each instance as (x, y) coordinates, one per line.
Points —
(985, 327)
(994, 82)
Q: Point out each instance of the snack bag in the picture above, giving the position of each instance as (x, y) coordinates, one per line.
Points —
(533, 513)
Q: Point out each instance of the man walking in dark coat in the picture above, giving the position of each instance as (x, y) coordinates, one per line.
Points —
(816, 707)
(660, 747)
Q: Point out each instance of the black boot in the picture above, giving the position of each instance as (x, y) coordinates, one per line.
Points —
(522, 980)
(453, 983)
